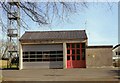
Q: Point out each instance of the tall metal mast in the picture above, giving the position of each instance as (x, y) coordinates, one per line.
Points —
(13, 32)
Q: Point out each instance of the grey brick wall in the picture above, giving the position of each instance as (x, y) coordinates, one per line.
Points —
(98, 57)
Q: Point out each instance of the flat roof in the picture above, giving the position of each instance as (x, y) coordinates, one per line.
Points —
(101, 46)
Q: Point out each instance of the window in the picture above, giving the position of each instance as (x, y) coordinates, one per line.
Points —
(32, 56)
(59, 55)
(25, 60)
(83, 54)
(39, 52)
(52, 52)
(39, 56)
(52, 59)
(39, 59)
(83, 45)
(32, 52)
(52, 56)
(68, 57)
(68, 45)
(46, 60)
(46, 52)
(73, 57)
(73, 45)
(83, 57)
(59, 52)
(25, 52)
(78, 57)
(78, 51)
(25, 56)
(73, 51)
(83, 51)
(43, 56)
(32, 60)
(78, 45)
(68, 51)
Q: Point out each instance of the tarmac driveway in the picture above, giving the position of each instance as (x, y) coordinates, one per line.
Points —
(88, 74)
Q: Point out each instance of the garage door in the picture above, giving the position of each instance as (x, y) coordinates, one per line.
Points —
(42, 56)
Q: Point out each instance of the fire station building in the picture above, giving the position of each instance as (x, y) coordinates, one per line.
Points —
(53, 49)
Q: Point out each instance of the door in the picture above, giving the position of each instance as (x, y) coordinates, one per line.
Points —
(42, 56)
(76, 55)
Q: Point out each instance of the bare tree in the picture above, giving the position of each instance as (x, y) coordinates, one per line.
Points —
(42, 12)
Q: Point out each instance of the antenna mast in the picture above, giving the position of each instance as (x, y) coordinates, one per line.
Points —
(13, 31)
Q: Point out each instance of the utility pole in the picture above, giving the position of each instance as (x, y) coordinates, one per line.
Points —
(13, 31)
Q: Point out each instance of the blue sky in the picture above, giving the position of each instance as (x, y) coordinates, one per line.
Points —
(100, 23)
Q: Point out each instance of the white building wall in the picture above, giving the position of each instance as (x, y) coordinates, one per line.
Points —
(64, 56)
(20, 57)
